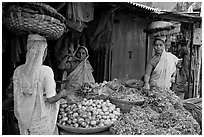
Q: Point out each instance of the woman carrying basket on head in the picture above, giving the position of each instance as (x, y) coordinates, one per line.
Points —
(35, 100)
(161, 68)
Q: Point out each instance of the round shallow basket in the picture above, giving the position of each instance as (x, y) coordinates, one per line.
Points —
(20, 21)
(162, 28)
(37, 7)
(133, 83)
(195, 110)
(159, 26)
(97, 97)
(84, 130)
(125, 106)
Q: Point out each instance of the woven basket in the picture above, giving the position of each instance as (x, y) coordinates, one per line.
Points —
(195, 110)
(38, 7)
(134, 83)
(84, 130)
(23, 21)
(162, 28)
(125, 106)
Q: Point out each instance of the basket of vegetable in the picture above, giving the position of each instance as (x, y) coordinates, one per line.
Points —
(94, 91)
(126, 98)
(195, 110)
(84, 130)
(87, 116)
(125, 106)
(134, 83)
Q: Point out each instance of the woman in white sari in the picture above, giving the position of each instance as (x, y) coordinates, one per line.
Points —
(35, 100)
(161, 68)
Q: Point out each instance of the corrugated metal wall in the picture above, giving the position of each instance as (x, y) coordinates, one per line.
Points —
(129, 47)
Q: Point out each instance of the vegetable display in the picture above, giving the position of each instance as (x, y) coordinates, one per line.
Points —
(161, 114)
(88, 113)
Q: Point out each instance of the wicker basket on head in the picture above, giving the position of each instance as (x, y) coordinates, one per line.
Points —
(21, 20)
(162, 28)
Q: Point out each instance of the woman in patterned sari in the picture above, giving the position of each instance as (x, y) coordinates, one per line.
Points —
(77, 68)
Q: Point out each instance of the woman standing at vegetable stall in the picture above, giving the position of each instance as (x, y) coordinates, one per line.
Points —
(35, 100)
(77, 69)
(161, 68)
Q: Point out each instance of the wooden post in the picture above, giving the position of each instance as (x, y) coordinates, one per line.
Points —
(200, 87)
(147, 49)
(191, 46)
(195, 72)
(109, 64)
(198, 71)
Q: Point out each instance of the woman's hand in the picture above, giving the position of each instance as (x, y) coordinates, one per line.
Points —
(62, 63)
(72, 98)
(146, 86)
(69, 95)
(63, 93)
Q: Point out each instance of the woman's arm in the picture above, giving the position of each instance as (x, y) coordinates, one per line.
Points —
(66, 94)
(54, 98)
(148, 72)
(50, 86)
(147, 75)
(57, 97)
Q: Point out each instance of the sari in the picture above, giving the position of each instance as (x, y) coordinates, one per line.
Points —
(161, 75)
(33, 83)
(81, 74)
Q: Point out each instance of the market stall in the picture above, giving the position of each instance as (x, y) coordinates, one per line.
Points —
(154, 112)
(114, 107)
(121, 107)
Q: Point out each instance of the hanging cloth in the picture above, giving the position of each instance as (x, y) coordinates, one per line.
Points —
(88, 11)
(101, 35)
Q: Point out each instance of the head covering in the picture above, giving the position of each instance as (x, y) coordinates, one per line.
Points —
(163, 38)
(36, 46)
(82, 47)
(26, 79)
